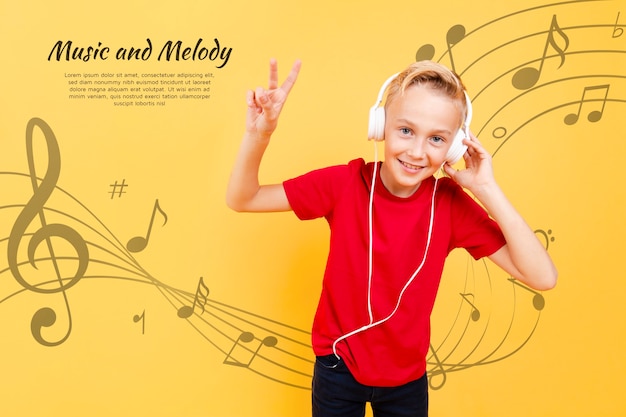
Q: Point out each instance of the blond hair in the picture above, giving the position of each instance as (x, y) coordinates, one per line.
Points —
(431, 74)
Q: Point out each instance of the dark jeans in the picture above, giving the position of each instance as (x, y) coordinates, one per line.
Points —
(337, 394)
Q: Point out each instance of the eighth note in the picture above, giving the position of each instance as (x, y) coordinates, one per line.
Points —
(247, 337)
(594, 115)
(139, 243)
(538, 301)
(202, 293)
(527, 77)
(475, 312)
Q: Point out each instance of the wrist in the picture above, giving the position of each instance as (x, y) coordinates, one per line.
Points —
(487, 191)
(257, 136)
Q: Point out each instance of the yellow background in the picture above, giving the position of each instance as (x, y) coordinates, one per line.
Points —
(263, 272)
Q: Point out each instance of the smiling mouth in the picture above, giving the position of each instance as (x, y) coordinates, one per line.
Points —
(410, 166)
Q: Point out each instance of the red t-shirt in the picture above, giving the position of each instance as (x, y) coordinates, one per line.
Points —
(394, 352)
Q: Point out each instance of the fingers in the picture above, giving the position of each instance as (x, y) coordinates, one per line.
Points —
(292, 77)
(273, 83)
(250, 99)
(289, 81)
(262, 99)
(449, 170)
(473, 144)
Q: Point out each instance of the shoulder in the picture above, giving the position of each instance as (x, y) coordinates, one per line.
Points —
(315, 193)
(332, 172)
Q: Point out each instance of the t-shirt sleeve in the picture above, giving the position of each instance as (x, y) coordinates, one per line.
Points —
(473, 229)
(313, 195)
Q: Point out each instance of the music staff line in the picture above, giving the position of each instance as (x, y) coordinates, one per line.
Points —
(457, 33)
(440, 368)
(145, 278)
(526, 75)
(120, 253)
(110, 239)
(579, 101)
(548, 111)
(439, 360)
(562, 54)
(129, 261)
(188, 297)
(126, 261)
(214, 308)
(485, 87)
(219, 312)
(240, 329)
(231, 341)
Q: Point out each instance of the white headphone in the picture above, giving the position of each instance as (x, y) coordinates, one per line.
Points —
(376, 130)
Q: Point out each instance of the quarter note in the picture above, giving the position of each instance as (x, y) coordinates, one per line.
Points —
(425, 52)
(527, 77)
(475, 312)
(248, 337)
(141, 318)
(139, 243)
(538, 301)
(201, 297)
(594, 115)
(454, 35)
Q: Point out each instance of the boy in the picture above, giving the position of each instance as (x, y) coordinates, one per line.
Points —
(392, 225)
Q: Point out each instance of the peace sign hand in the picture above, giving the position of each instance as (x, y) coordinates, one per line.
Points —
(265, 105)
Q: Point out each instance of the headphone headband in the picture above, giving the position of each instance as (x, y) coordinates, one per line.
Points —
(376, 128)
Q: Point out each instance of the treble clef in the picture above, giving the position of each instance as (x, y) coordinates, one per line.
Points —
(42, 189)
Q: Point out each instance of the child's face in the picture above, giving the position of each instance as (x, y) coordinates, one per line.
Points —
(419, 128)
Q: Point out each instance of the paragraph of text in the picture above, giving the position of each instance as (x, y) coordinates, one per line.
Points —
(139, 89)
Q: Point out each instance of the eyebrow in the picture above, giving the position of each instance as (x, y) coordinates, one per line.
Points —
(436, 131)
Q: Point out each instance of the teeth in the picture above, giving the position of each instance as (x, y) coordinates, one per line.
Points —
(409, 165)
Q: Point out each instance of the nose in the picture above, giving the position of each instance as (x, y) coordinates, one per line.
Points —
(417, 149)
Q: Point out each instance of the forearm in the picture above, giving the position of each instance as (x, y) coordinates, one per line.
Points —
(527, 260)
(243, 184)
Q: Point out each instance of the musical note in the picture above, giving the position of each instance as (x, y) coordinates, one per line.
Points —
(425, 52)
(202, 292)
(475, 312)
(617, 31)
(454, 35)
(46, 316)
(538, 301)
(139, 243)
(247, 337)
(527, 77)
(594, 115)
(499, 132)
(137, 318)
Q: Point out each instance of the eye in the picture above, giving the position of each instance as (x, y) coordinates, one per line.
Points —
(437, 139)
(405, 131)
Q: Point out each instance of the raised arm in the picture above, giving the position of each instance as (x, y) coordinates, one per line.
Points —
(523, 256)
(244, 193)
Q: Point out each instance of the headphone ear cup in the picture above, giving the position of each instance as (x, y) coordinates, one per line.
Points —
(457, 149)
(376, 129)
